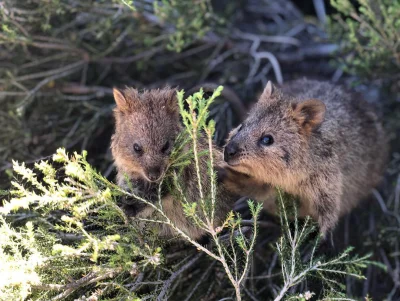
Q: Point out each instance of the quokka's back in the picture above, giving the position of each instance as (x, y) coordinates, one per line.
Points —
(355, 133)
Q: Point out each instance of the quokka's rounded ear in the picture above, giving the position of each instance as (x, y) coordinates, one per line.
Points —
(120, 99)
(268, 91)
(171, 100)
(125, 99)
(309, 114)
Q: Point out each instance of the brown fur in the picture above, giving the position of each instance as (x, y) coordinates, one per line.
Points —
(329, 149)
(151, 120)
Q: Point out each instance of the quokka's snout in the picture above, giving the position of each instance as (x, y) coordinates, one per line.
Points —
(231, 151)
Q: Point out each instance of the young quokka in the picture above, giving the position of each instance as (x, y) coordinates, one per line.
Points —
(147, 125)
(313, 140)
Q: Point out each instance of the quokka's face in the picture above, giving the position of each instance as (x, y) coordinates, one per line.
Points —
(145, 135)
(273, 139)
(264, 146)
(147, 143)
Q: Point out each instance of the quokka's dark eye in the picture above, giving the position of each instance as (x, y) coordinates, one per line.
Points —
(165, 148)
(137, 148)
(266, 140)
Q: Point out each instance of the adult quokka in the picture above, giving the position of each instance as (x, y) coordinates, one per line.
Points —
(316, 142)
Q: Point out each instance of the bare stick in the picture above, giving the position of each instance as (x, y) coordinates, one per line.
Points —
(175, 275)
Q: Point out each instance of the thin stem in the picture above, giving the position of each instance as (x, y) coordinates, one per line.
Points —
(212, 177)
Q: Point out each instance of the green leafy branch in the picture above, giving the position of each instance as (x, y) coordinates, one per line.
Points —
(294, 270)
(371, 33)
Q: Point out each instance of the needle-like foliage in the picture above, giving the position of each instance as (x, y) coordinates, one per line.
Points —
(84, 233)
(295, 269)
(370, 32)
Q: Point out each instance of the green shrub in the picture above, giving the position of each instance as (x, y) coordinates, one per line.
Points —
(190, 21)
(369, 35)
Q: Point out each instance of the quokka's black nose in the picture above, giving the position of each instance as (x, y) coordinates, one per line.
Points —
(154, 173)
(231, 149)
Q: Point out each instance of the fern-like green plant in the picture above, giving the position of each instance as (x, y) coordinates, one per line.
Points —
(20, 258)
(78, 228)
(328, 270)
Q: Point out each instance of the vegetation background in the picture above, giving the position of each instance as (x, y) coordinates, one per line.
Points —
(59, 60)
